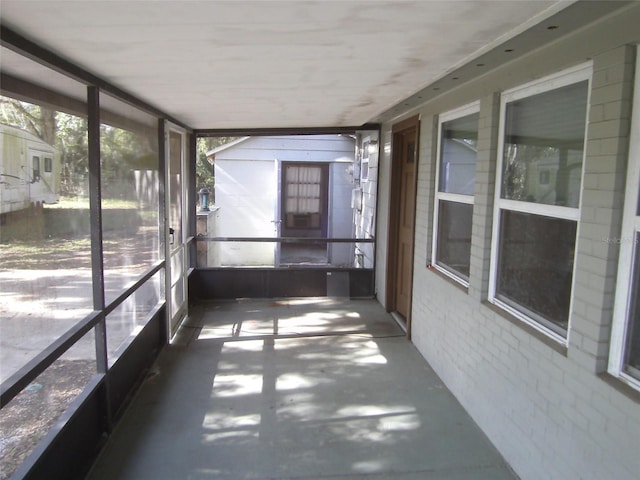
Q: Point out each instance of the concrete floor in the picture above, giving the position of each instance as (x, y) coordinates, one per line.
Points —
(295, 389)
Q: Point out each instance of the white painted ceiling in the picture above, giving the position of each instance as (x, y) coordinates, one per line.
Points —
(268, 64)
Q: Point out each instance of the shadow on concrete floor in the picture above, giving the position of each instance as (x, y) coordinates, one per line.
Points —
(296, 389)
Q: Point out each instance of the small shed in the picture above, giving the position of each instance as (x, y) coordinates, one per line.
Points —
(296, 186)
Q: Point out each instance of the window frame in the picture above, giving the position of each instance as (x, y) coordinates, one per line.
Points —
(36, 168)
(627, 263)
(364, 159)
(455, 114)
(564, 78)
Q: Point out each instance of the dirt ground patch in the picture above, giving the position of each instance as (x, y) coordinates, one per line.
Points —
(30, 415)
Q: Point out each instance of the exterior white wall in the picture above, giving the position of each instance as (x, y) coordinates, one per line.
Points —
(552, 412)
(291, 148)
(365, 217)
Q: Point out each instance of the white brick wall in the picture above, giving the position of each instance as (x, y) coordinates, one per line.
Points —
(551, 411)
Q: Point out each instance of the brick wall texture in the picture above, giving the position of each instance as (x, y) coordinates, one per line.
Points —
(552, 412)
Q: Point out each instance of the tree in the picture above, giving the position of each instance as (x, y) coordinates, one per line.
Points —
(67, 133)
(40, 121)
(71, 141)
(204, 169)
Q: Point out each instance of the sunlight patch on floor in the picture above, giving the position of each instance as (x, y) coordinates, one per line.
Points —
(294, 381)
(226, 421)
(370, 466)
(236, 385)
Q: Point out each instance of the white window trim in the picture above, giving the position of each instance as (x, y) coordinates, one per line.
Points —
(630, 227)
(460, 112)
(564, 213)
(561, 79)
(455, 197)
(365, 155)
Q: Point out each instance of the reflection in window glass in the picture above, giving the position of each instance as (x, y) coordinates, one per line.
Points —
(543, 147)
(454, 236)
(26, 419)
(632, 347)
(458, 155)
(130, 219)
(133, 314)
(535, 266)
(45, 262)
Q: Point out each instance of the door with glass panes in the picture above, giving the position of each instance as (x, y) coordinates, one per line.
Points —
(176, 250)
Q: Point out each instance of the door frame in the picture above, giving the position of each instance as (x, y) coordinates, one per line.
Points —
(394, 216)
(325, 188)
(175, 316)
(277, 214)
(324, 193)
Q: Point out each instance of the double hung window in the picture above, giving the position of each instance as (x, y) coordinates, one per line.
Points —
(457, 152)
(536, 211)
(624, 358)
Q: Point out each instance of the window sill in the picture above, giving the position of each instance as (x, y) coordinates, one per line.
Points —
(449, 278)
(552, 343)
(621, 386)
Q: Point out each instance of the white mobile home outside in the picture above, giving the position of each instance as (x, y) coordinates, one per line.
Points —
(29, 170)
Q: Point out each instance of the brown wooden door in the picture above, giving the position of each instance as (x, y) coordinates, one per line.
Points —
(402, 224)
(406, 218)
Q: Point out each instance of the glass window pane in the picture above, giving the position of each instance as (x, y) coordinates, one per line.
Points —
(543, 146)
(632, 347)
(26, 419)
(454, 236)
(535, 266)
(130, 204)
(458, 155)
(364, 171)
(45, 260)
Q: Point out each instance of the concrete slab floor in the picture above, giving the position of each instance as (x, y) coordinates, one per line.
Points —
(295, 389)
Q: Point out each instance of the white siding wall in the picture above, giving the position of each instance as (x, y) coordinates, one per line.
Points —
(341, 218)
(552, 412)
(365, 218)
